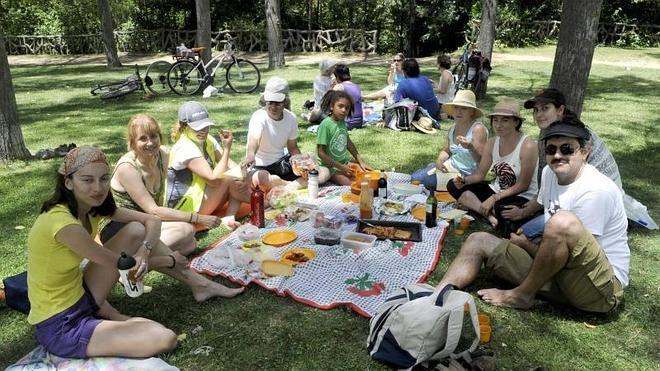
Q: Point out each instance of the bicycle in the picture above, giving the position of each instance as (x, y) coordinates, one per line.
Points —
(471, 71)
(157, 85)
(119, 88)
(189, 75)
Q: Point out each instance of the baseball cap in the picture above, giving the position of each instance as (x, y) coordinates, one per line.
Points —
(566, 127)
(276, 89)
(549, 95)
(195, 115)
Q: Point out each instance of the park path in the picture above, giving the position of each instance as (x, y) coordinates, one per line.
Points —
(309, 58)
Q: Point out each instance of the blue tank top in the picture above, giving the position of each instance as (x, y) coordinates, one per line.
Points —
(461, 157)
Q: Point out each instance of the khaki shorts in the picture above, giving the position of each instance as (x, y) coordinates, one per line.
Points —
(587, 281)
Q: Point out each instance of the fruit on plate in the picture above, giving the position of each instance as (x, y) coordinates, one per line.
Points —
(280, 198)
(303, 163)
(298, 256)
(251, 244)
(275, 268)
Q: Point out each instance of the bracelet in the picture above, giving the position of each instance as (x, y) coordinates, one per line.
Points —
(173, 261)
(190, 219)
(196, 218)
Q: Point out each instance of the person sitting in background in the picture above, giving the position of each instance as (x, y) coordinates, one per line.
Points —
(583, 259)
(446, 88)
(512, 156)
(394, 77)
(418, 88)
(465, 141)
(322, 84)
(272, 140)
(344, 83)
(195, 180)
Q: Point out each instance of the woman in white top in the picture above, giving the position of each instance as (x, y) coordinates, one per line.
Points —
(446, 89)
(514, 159)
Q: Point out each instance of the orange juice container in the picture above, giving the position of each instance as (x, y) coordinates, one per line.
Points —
(366, 201)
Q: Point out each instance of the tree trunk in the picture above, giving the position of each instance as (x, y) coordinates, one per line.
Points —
(309, 15)
(107, 30)
(410, 45)
(203, 37)
(486, 38)
(575, 50)
(487, 28)
(12, 146)
(274, 32)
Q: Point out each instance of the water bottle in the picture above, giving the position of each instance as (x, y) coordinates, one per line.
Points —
(126, 267)
(257, 208)
(313, 184)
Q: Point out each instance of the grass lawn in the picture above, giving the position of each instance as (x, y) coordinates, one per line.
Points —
(261, 330)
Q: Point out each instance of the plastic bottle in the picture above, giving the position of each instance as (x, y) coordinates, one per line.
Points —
(126, 265)
(366, 201)
(382, 185)
(313, 184)
(431, 210)
(257, 208)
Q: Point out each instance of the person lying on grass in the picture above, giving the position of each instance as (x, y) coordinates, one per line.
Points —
(272, 140)
(68, 305)
(466, 140)
(195, 180)
(583, 258)
(512, 157)
(333, 144)
(549, 105)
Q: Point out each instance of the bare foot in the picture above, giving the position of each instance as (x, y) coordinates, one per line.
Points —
(518, 239)
(493, 220)
(211, 289)
(506, 298)
(107, 311)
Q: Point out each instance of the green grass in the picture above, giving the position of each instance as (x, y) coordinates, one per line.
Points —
(261, 330)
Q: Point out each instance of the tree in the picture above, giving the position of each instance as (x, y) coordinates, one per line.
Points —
(203, 37)
(12, 146)
(108, 32)
(274, 32)
(575, 50)
(486, 38)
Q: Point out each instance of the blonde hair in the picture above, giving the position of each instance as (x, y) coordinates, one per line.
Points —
(177, 130)
(141, 122)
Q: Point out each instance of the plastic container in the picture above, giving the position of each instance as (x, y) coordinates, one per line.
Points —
(326, 236)
(357, 241)
(247, 232)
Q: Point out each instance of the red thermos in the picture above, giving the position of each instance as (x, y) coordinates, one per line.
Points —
(257, 208)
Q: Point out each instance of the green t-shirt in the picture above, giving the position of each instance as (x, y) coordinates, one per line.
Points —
(55, 281)
(334, 136)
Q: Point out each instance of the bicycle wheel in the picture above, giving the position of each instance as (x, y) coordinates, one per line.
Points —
(155, 79)
(220, 77)
(117, 91)
(184, 78)
(104, 88)
(243, 76)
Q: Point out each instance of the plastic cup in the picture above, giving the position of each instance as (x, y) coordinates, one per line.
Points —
(465, 222)
(374, 176)
(484, 319)
(485, 332)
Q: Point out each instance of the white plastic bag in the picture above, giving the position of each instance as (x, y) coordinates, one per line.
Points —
(637, 212)
(210, 91)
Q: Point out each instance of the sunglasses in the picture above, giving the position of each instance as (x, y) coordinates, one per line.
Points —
(398, 60)
(273, 103)
(565, 149)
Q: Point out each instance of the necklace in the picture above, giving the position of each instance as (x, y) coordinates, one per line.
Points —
(151, 170)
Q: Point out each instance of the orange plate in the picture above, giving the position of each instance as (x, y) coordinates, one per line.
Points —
(347, 197)
(356, 188)
(419, 213)
(279, 238)
(444, 197)
(309, 253)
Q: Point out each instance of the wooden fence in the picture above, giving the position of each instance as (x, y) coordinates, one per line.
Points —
(347, 40)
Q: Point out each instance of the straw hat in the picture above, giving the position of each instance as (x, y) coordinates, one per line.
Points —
(425, 125)
(463, 98)
(507, 107)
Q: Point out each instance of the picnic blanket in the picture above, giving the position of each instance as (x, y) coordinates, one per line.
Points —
(339, 276)
(40, 360)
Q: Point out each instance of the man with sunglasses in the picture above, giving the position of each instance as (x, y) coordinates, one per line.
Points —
(583, 258)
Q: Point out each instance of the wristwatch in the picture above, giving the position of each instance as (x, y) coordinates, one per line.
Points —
(147, 245)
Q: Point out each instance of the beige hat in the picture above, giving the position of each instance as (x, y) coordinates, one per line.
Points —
(507, 107)
(463, 98)
(276, 89)
(425, 125)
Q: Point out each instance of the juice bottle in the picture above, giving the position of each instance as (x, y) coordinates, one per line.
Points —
(366, 201)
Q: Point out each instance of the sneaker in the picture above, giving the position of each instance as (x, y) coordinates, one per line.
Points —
(305, 116)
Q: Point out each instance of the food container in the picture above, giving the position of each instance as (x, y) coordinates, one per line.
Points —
(247, 232)
(326, 236)
(357, 241)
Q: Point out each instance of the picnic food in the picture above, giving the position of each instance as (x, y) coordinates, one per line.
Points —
(298, 256)
(325, 236)
(251, 244)
(275, 268)
(280, 198)
(393, 207)
(387, 232)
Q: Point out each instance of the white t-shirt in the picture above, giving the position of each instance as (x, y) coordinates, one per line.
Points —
(322, 84)
(598, 203)
(273, 135)
(185, 150)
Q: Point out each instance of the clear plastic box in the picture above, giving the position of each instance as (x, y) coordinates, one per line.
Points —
(357, 241)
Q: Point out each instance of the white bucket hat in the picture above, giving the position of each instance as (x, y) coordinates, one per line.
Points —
(276, 89)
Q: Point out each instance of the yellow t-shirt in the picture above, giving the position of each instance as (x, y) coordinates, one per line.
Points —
(55, 281)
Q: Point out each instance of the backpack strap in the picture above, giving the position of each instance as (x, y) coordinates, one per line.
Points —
(456, 300)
